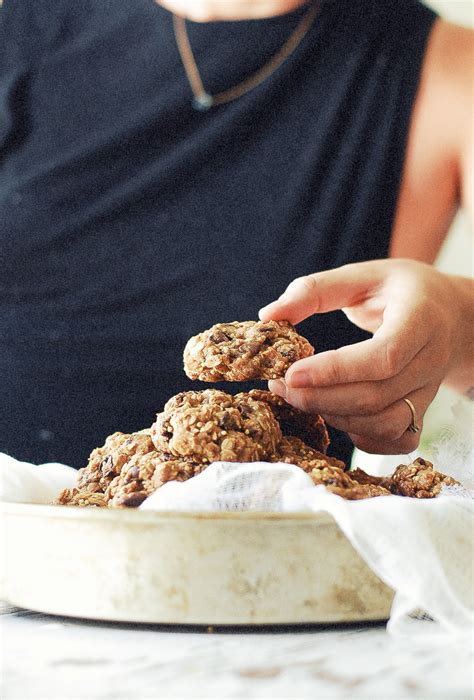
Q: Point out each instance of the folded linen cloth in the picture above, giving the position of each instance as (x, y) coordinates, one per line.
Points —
(21, 482)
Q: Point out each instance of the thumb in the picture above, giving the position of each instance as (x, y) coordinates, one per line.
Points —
(325, 291)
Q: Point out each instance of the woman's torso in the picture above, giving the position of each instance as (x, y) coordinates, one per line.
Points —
(130, 221)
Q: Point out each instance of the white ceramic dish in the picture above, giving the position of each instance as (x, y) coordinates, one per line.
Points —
(185, 568)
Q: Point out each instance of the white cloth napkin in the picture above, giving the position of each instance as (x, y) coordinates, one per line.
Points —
(21, 482)
(422, 548)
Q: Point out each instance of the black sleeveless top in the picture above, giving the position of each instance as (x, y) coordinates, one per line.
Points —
(129, 221)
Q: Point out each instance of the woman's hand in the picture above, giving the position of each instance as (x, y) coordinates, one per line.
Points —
(418, 319)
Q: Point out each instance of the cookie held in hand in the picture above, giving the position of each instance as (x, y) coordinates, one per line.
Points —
(240, 351)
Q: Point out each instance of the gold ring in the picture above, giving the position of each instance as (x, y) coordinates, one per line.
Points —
(413, 427)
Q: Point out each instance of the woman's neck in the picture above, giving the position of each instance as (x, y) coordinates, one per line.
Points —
(221, 10)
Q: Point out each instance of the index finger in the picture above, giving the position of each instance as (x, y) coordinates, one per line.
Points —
(397, 341)
(325, 291)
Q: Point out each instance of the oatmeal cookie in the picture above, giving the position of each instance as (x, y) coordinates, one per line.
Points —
(142, 475)
(329, 476)
(342, 484)
(419, 480)
(211, 425)
(81, 497)
(106, 462)
(239, 351)
(311, 429)
(368, 479)
(327, 471)
(292, 450)
(359, 491)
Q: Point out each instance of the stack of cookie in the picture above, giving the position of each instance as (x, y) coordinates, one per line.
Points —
(197, 428)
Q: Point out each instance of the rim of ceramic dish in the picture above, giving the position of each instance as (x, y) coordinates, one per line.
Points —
(135, 515)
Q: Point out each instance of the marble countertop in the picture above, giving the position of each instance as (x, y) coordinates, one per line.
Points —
(49, 657)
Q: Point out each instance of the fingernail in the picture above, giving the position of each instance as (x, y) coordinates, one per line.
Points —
(299, 379)
(270, 308)
(277, 386)
(266, 310)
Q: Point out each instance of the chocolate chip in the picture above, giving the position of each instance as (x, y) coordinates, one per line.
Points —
(219, 337)
(288, 352)
(133, 500)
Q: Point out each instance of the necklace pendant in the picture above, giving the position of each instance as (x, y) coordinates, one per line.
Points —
(203, 102)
